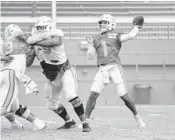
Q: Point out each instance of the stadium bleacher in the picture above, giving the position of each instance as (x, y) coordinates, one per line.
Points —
(87, 8)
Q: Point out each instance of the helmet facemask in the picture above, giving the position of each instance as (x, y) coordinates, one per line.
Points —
(44, 24)
(106, 23)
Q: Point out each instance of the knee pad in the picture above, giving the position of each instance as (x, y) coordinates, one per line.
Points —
(78, 106)
(61, 111)
(23, 111)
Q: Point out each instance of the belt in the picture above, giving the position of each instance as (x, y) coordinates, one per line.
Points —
(54, 61)
(102, 64)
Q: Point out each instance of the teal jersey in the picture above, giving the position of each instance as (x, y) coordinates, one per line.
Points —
(107, 47)
(14, 46)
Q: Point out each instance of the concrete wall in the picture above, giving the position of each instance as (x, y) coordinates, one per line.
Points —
(154, 50)
(151, 71)
(162, 91)
(134, 46)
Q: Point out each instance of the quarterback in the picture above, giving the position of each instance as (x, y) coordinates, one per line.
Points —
(106, 46)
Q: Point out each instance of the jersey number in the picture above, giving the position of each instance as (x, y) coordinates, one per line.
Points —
(103, 43)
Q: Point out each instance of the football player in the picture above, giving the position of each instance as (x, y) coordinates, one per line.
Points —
(106, 46)
(60, 75)
(13, 65)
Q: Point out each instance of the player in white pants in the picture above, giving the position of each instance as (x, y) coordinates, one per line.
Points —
(106, 45)
(49, 50)
(13, 65)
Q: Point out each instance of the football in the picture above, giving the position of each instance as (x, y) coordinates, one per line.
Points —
(138, 20)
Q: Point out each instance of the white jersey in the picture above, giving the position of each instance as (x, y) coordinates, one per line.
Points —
(54, 55)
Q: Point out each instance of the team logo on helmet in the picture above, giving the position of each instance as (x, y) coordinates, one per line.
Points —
(43, 24)
(106, 23)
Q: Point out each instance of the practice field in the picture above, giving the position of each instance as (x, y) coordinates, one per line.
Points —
(109, 123)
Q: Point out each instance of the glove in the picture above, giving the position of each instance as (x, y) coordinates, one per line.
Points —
(90, 40)
(138, 21)
(31, 87)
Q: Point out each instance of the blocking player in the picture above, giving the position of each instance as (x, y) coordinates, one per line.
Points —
(106, 45)
(13, 65)
(49, 50)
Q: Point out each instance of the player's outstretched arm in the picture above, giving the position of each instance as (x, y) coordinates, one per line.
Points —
(55, 38)
(131, 35)
(137, 24)
(32, 40)
(51, 41)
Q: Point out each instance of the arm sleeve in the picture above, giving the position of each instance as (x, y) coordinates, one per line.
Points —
(131, 35)
(55, 39)
(51, 42)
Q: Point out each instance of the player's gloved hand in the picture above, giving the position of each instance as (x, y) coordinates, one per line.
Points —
(138, 21)
(31, 87)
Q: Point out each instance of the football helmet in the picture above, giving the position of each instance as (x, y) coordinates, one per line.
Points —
(12, 30)
(106, 23)
(43, 24)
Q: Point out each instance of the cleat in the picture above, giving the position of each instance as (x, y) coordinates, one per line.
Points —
(86, 127)
(16, 125)
(39, 124)
(68, 125)
(140, 122)
(88, 120)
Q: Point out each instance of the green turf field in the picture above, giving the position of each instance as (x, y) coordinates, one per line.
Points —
(109, 123)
